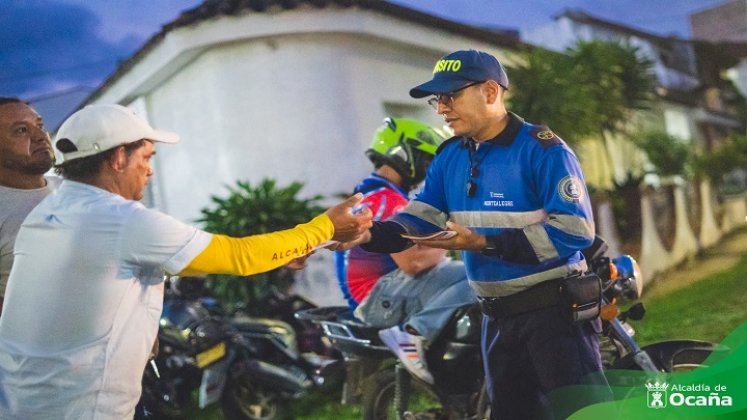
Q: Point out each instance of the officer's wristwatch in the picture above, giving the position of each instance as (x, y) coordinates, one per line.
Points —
(491, 248)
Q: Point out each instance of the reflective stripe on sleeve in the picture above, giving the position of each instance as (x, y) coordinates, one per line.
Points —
(498, 219)
(426, 212)
(573, 225)
(540, 242)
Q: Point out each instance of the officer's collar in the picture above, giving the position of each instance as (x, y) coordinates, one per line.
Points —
(508, 134)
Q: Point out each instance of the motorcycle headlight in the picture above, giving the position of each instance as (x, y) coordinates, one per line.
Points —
(630, 277)
(638, 279)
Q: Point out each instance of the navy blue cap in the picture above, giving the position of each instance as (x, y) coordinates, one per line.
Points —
(460, 68)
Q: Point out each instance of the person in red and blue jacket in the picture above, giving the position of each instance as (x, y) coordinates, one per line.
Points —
(418, 289)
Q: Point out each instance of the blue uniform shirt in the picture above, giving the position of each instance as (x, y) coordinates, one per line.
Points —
(529, 194)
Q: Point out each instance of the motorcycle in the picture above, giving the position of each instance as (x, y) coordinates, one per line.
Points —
(250, 365)
(454, 359)
(622, 282)
(387, 389)
(282, 306)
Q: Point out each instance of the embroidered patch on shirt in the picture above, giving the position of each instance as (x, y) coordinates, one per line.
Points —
(545, 135)
(571, 189)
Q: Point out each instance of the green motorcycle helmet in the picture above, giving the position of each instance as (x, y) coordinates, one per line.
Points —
(406, 145)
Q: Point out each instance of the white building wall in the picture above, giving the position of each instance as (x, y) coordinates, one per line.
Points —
(294, 96)
(299, 108)
(291, 96)
(739, 76)
(677, 123)
(252, 110)
(555, 36)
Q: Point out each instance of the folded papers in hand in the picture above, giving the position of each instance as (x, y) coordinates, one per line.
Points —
(440, 235)
(324, 245)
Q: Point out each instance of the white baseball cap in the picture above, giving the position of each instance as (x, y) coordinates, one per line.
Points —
(97, 128)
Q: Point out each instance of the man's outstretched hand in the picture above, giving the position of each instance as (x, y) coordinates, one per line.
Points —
(349, 226)
(299, 263)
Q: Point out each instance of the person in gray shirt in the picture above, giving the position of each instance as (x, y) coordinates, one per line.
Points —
(25, 156)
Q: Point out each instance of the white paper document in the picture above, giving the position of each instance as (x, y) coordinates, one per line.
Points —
(441, 235)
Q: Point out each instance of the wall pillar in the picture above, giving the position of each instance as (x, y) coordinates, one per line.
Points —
(710, 232)
(685, 243)
(654, 257)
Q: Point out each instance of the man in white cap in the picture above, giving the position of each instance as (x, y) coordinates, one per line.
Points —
(85, 292)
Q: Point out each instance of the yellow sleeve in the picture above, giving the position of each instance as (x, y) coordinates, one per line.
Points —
(259, 253)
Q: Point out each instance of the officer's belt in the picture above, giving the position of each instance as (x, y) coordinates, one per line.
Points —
(501, 288)
(537, 297)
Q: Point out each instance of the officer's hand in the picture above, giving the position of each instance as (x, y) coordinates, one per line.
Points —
(363, 238)
(465, 239)
(349, 226)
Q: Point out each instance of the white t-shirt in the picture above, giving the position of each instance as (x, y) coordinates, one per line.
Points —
(15, 205)
(83, 302)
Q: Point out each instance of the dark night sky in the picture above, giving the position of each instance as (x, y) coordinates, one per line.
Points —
(53, 47)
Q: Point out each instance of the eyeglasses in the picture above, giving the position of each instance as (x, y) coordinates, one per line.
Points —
(448, 98)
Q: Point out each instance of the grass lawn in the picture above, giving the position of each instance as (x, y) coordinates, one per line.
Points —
(705, 310)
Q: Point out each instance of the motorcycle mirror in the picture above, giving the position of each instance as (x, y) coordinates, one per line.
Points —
(636, 312)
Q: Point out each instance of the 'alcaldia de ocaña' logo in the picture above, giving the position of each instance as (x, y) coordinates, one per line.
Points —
(656, 396)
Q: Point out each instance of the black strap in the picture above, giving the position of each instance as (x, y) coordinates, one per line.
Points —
(537, 297)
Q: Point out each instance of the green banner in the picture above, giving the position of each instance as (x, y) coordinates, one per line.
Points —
(717, 390)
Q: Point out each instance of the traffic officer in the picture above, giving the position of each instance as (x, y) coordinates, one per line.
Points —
(515, 194)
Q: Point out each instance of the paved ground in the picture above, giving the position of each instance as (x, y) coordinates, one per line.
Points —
(720, 257)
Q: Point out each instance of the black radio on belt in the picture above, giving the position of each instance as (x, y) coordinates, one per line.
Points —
(578, 297)
(581, 297)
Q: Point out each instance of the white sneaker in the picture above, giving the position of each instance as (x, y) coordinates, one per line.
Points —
(409, 349)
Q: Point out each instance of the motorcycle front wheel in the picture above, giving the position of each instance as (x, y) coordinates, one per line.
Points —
(672, 356)
(243, 400)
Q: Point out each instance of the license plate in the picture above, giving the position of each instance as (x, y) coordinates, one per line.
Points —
(210, 355)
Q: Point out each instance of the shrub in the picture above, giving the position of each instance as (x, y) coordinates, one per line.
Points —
(670, 155)
(249, 210)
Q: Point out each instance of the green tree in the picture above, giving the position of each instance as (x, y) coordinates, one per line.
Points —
(618, 79)
(251, 210)
(724, 160)
(545, 89)
(670, 155)
(593, 88)
(590, 92)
